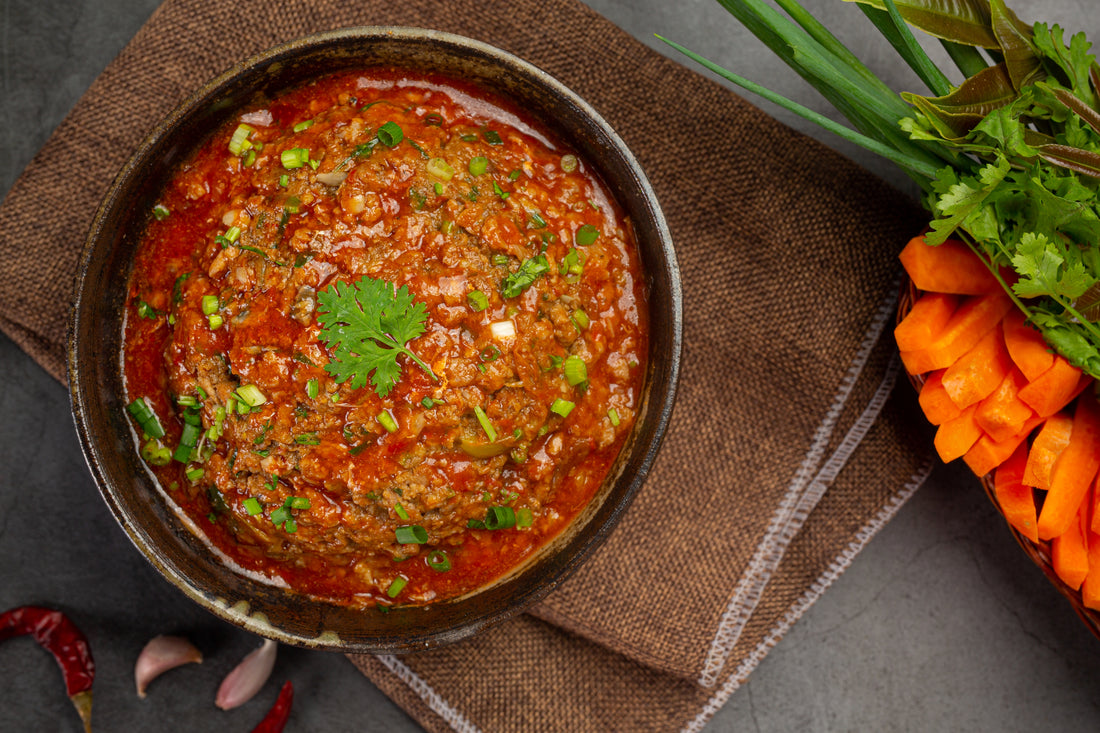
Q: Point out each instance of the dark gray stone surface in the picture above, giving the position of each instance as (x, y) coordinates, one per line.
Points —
(940, 624)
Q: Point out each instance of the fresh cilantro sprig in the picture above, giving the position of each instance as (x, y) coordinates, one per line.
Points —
(368, 325)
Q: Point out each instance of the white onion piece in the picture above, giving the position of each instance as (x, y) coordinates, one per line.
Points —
(229, 217)
(332, 179)
(503, 329)
(161, 654)
(247, 678)
(261, 117)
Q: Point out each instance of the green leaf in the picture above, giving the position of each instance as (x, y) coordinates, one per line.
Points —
(1014, 39)
(367, 325)
(957, 113)
(961, 21)
(1073, 63)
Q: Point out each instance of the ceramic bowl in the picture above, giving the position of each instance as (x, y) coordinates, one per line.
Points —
(94, 363)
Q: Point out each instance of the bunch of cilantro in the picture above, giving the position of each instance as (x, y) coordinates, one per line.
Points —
(1009, 159)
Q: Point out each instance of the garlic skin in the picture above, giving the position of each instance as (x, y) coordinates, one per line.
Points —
(247, 678)
(161, 654)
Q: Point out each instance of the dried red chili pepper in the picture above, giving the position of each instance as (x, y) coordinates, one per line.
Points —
(276, 718)
(58, 635)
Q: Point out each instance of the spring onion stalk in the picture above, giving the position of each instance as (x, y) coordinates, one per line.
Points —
(386, 420)
(575, 370)
(483, 420)
(412, 534)
(562, 407)
(477, 300)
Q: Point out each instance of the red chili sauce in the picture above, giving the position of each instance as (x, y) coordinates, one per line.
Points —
(533, 346)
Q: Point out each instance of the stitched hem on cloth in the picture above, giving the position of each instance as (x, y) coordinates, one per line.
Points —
(803, 494)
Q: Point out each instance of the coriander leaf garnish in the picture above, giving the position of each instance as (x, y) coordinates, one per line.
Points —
(367, 325)
(525, 276)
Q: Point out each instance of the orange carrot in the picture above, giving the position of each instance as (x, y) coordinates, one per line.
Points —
(934, 401)
(948, 268)
(1069, 552)
(1026, 346)
(1048, 445)
(1053, 389)
(1017, 500)
(1074, 472)
(956, 436)
(979, 371)
(1002, 414)
(1090, 589)
(925, 322)
(974, 318)
(986, 454)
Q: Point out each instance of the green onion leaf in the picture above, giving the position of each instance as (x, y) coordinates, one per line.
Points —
(252, 506)
(209, 304)
(500, 517)
(580, 318)
(478, 165)
(613, 416)
(492, 137)
(562, 407)
(428, 402)
(251, 395)
(302, 126)
(477, 300)
(297, 502)
(400, 511)
(396, 587)
(294, 158)
(387, 421)
(440, 169)
(524, 517)
(313, 388)
(239, 143)
(586, 235)
(483, 420)
(439, 561)
(160, 212)
(575, 370)
(412, 534)
(390, 134)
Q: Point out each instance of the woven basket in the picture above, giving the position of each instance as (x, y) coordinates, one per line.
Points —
(1039, 552)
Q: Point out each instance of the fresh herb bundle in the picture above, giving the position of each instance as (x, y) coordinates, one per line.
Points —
(1008, 160)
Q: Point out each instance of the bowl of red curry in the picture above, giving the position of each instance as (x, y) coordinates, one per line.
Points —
(374, 339)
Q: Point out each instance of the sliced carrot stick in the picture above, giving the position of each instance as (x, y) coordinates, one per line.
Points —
(956, 436)
(1048, 445)
(947, 268)
(1002, 414)
(934, 400)
(1074, 472)
(1053, 389)
(986, 454)
(974, 318)
(1026, 346)
(1069, 552)
(1017, 500)
(925, 322)
(1090, 589)
(979, 371)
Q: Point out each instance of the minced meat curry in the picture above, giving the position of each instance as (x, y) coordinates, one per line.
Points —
(384, 338)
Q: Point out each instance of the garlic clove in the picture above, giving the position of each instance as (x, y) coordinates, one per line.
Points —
(161, 654)
(247, 678)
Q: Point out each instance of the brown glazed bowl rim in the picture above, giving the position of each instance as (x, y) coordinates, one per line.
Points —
(94, 363)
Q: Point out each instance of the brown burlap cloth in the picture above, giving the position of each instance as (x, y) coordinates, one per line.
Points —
(788, 448)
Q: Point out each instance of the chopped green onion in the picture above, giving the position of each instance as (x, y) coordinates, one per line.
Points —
(297, 502)
(396, 587)
(239, 143)
(572, 263)
(160, 212)
(400, 511)
(581, 319)
(575, 370)
(280, 515)
(478, 165)
(412, 534)
(290, 525)
(387, 421)
(390, 134)
(492, 137)
(186, 400)
(478, 301)
(292, 204)
(586, 235)
(433, 119)
(294, 158)
(569, 163)
(284, 180)
(307, 439)
(500, 191)
(193, 474)
(209, 304)
(438, 188)
(483, 419)
(501, 259)
(525, 276)
(500, 517)
(524, 517)
(232, 234)
(252, 506)
(475, 524)
(441, 169)
(251, 395)
(302, 126)
(562, 407)
(514, 175)
(439, 561)
(145, 310)
(249, 158)
(147, 419)
(313, 388)
(613, 416)
(537, 221)
(428, 402)
(155, 454)
(489, 354)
